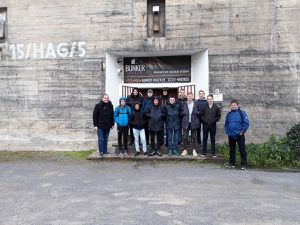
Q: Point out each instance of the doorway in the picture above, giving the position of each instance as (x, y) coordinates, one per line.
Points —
(158, 91)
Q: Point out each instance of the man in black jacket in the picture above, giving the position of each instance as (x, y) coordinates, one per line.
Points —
(103, 120)
(202, 102)
(210, 115)
(172, 115)
(156, 125)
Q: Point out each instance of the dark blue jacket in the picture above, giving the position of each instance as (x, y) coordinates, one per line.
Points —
(202, 103)
(156, 118)
(122, 114)
(147, 104)
(234, 124)
(195, 120)
(172, 115)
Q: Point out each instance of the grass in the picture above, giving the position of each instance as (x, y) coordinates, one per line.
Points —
(6, 156)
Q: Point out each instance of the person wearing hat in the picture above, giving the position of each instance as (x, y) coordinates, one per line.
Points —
(156, 125)
(134, 97)
(147, 103)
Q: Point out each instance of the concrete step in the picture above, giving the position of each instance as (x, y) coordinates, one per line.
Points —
(113, 156)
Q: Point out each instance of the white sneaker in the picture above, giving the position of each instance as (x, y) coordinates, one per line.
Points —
(184, 153)
(195, 153)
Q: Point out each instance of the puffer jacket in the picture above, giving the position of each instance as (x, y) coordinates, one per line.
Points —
(235, 124)
(122, 114)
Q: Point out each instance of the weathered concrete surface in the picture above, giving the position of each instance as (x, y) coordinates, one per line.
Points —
(46, 104)
(81, 192)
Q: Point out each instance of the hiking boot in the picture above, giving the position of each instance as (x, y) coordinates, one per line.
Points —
(146, 154)
(176, 153)
(137, 154)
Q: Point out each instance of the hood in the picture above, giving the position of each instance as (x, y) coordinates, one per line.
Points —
(155, 97)
(122, 98)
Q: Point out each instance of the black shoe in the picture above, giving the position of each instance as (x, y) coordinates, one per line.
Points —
(243, 168)
(137, 154)
(146, 154)
(153, 153)
(229, 166)
(158, 153)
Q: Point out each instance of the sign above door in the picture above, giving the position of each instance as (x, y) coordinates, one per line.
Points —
(167, 69)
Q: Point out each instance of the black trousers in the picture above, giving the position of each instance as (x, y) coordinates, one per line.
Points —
(199, 135)
(242, 148)
(122, 132)
(211, 130)
(147, 133)
(156, 146)
(186, 136)
(131, 136)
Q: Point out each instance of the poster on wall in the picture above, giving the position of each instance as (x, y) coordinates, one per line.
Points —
(167, 69)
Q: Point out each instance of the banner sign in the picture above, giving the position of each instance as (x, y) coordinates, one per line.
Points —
(167, 69)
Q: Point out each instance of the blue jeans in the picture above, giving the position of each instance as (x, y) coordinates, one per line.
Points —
(102, 140)
(173, 136)
(139, 133)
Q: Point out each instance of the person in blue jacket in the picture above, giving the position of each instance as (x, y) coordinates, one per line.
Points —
(121, 116)
(236, 125)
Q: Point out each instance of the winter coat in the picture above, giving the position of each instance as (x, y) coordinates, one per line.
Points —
(132, 99)
(172, 115)
(137, 119)
(103, 115)
(122, 114)
(201, 103)
(164, 100)
(210, 116)
(236, 122)
(156, 118)
(195, 120)
(147, 104)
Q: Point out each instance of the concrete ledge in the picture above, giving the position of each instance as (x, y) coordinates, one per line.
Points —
(116, 157)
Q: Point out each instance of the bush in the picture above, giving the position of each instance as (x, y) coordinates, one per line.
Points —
(275, 153)
(293, 140)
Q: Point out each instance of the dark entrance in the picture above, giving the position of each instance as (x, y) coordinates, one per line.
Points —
(159, 92)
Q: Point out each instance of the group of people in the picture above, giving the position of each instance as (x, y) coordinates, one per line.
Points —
(150, 118)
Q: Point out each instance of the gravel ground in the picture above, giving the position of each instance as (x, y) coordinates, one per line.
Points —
(67, 191)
